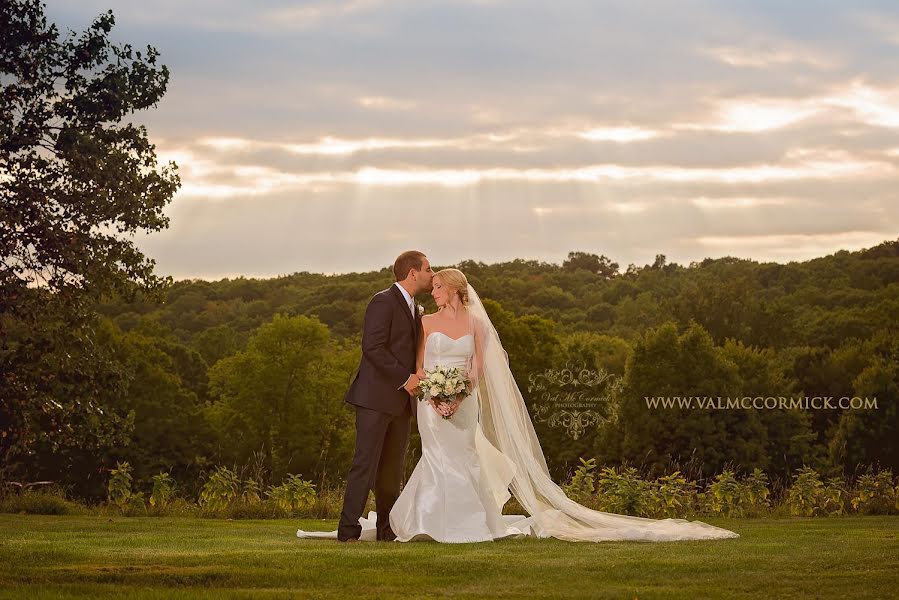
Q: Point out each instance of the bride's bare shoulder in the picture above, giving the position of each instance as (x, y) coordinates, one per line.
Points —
(427, 322)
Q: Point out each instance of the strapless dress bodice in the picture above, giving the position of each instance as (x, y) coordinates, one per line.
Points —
(442, 350)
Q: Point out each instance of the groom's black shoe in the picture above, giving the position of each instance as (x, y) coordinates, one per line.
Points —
(348, 540)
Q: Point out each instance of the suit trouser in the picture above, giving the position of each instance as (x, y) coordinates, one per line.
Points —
(379, 460)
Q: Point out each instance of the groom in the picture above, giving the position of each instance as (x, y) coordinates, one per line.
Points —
(382, 392)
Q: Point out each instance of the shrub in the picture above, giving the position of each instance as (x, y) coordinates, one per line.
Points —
(163, 491)
(875, 494)
(119, 486)
(292, 495)
(252, 492)
(622, 492)
(42, 502)
(725, 495)
(135, 507)
(755, 492)
(805, 495)
(582, 485)
(220, 490)
(671, 496)
(835, 495)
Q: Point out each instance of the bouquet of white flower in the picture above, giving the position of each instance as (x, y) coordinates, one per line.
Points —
(444, 385)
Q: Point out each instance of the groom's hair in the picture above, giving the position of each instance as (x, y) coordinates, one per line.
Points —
(411, 259)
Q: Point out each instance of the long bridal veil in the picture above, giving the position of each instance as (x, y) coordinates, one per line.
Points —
(511, 458)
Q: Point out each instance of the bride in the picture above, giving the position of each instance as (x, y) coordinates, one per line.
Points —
(479, 447)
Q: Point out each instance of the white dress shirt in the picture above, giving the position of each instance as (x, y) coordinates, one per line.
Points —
(408, 298)
(411, 304)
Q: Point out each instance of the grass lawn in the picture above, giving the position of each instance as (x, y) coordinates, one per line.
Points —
(67, 556)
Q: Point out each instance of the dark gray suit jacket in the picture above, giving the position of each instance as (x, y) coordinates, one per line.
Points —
(389, 345)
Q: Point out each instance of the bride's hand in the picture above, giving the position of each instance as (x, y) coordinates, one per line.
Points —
(439, 407)
(454, 405)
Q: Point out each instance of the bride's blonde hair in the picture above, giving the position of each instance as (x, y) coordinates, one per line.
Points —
(455, 280)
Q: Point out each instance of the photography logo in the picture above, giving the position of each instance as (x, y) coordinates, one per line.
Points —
(573, 397)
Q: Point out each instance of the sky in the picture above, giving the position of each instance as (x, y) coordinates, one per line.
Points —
(329, 136)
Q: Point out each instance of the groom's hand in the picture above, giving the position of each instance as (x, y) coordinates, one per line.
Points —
(412, 384)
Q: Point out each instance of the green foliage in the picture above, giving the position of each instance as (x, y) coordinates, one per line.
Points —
(872, 494)
(726, 495)
(665, 363)
(284, 394)
(868, 436)
(163, 491)
(226, 369)
(599, 265)
(40, 502)
(835, 496)
(220, 490)
(119, 487)
(293, 494)
(756, 492)
(875, 494)
(66, 150)
(61, 399)
(136, 506)
(164, 395)
(252, 492)
(73, 168)
(805, 495)
(671, 496)
(622, 491)
(582, 483)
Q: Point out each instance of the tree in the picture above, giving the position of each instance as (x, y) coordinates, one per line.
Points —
(698, 440)
(659, 262)
(69, 166)
(283, 395)
(170, 432)
(789, 438)
(73, 178)
(601, 265)
(868, 436)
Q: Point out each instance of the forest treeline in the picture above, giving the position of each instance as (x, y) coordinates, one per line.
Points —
(252, 372)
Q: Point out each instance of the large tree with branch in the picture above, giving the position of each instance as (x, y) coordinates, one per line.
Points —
(77, 180)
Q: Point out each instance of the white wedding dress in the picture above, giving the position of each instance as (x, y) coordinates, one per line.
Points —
(488, 450)
(448, 497)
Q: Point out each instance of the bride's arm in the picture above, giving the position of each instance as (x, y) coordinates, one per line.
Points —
(475, 367)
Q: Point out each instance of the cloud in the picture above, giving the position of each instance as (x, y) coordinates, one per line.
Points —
(755, 115)
(384, 103)
(763, 55)
(311, 14)
(871, 105)
(203, 180)
(530, 128)
(741, 203)
(619, 134)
